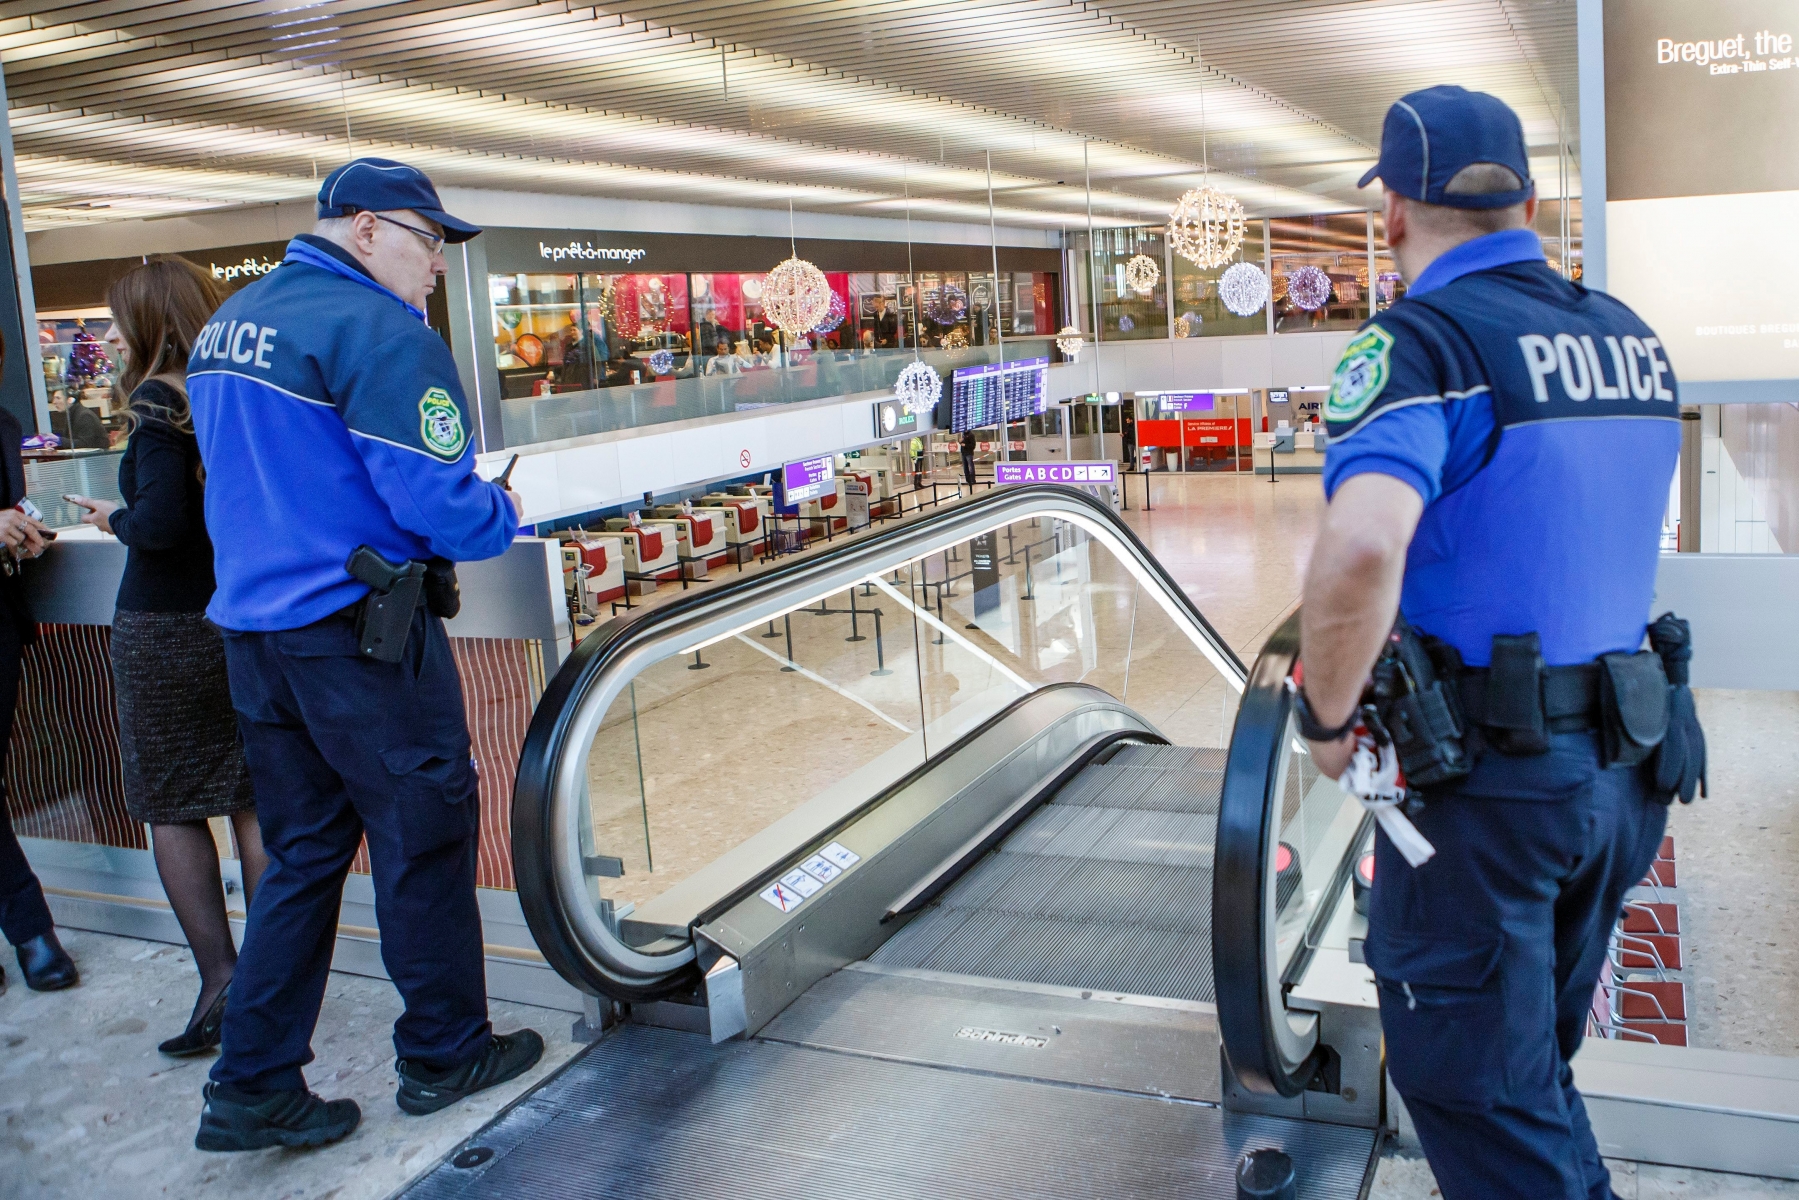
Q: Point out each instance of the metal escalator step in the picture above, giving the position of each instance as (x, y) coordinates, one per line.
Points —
(1152, 895)
(1086, 787)
(658, 1115)
(1063, 829)
(1144, 787)
(921, 937)
(1153, 836)
(1166, 758)
(1131, 959)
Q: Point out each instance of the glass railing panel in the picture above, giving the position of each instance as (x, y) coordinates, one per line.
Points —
(1317, 823)
(718, 386)
(719, 739)
(685, 751)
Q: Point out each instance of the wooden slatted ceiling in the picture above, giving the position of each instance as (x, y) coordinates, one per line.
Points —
(839, 106)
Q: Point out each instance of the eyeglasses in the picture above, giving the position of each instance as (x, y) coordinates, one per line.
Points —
(433, 241)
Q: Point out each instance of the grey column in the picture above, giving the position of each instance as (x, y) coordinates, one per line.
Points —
(22, 377)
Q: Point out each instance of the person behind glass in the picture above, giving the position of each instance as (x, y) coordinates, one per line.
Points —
(968, 457)
(178, 739)
(24, 916)
(884, 324)
(79, 426)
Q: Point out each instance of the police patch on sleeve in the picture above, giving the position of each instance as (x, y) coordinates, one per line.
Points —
(440, 424)
(1361, 374)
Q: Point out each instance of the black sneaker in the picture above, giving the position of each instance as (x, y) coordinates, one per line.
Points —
(234, 1120)
(507, 1056)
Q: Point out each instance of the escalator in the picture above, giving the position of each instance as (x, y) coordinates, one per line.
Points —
(963, 859)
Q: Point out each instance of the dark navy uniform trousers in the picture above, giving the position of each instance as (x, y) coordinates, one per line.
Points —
(340, 747)
(1487, 957)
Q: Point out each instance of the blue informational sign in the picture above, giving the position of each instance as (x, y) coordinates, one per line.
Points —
(993, 393)
(1187, 402)
(1045, 472)
(808, 479)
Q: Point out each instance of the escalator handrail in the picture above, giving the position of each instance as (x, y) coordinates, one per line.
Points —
(629, 973)
(1249, 990)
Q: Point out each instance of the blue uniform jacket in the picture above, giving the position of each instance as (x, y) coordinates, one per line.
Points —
(1540, 423)
(329, 416)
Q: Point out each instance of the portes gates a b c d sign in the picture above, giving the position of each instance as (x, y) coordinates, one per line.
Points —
(1062, 472)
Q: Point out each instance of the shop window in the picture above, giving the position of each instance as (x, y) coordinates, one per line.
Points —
(1335, 246)
(1198, 310)
(1127, 313)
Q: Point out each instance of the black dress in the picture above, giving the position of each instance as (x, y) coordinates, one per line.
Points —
(178, 736)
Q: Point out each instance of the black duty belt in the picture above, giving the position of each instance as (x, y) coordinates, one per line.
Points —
(1570, 697)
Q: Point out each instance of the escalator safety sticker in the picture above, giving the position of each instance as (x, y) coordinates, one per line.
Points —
(804, 884)
(840, 855)
(782, 897)
(821, 870)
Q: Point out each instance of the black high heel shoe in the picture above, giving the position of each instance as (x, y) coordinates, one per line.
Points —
(204, 1034)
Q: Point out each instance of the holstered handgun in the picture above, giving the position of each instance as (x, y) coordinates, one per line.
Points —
(386, 615)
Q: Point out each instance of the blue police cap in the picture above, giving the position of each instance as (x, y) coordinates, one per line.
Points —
(382, 185)
(1430, 135)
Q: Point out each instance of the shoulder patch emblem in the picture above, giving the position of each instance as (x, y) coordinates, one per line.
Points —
(440, 424)
(1361, 375)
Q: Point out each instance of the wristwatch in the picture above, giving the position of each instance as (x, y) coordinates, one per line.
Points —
(1309, 727)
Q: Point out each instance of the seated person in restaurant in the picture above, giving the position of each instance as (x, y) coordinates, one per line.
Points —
(712, 338)
(79, 426)
(736, 362)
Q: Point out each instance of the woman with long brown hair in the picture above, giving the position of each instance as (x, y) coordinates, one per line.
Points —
(178, 732)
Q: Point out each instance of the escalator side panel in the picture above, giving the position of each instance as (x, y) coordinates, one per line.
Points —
(659, 1115)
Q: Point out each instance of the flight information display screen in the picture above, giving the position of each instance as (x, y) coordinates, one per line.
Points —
(993, 393)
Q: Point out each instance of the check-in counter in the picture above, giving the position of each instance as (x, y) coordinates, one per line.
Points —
(652, 551)
(593, 570)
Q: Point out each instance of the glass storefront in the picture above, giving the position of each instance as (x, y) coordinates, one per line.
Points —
(1199, 310)
(556, 333)
(1320, 271)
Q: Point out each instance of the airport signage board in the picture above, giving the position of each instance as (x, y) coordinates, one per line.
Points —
(1047, 472)
(1187, 401)
(808, 479)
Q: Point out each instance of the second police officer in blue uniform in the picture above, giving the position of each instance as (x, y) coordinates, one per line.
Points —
(1501, 446)
(338, 463)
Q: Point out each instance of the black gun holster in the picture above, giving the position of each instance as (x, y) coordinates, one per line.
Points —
(384, 617)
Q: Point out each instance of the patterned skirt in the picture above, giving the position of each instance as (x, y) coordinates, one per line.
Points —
(178, 736)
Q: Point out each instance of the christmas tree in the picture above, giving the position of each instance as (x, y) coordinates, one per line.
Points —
(87, 360)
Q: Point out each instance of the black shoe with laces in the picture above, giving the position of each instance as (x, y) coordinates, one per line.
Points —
(235, 1120)
(506, 1056)
(203, 1033)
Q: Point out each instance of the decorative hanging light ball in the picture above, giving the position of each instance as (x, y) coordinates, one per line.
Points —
(662, 362)
(833, 315)
(918, 387)
(956, 339)
(1069, 341)
(1244, 289)
(795, 295)
(1206, 227)
(1309, 288)
(1125, 324)
(1187, 325)
(1141, 274)
(946, 304)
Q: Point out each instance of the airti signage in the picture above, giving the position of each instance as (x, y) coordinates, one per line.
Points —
(1068, 472)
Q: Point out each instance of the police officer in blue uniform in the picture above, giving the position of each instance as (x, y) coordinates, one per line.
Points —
(1501, 446)
(338, 465)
